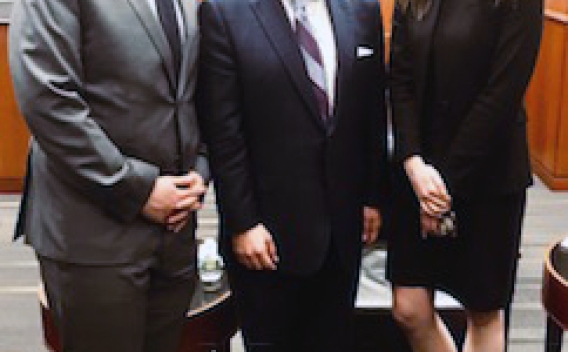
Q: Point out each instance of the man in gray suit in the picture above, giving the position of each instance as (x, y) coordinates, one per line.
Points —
(116, 168)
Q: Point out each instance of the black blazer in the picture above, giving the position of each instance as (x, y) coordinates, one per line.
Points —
(458, 80)
(274, 162)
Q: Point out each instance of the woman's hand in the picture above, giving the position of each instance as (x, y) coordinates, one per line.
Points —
(428, 186)
(429, 224)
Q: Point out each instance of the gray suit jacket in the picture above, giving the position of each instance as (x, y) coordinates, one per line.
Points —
(95, 82)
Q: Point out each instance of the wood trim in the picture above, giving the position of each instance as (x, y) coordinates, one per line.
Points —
(11, 185)
(553, 182)
(209, 306)
(556, 16)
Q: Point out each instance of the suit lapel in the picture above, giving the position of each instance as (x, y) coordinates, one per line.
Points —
(190, 16)
(157, 35)
(342, 22)
(424, 30)
(276, 25)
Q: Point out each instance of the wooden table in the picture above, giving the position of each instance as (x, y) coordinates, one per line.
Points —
(555, 295)
(211, 322)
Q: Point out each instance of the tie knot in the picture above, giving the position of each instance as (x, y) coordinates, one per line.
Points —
(305, 2)
(300, 6)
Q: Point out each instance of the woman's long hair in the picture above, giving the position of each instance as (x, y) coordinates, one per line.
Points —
(420, 8)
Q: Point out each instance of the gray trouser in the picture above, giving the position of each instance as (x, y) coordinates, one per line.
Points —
(136, 307)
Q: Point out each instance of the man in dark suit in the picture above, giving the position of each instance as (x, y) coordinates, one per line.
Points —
(116, 169)
(291, 99)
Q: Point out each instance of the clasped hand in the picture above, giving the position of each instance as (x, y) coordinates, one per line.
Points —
(431, 192)
(173, 198)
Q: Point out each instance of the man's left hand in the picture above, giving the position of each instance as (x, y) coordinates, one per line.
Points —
(371, 224)
(194, 183)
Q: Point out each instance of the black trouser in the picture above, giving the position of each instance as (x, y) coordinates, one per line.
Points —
(283, 313)
(138, 307)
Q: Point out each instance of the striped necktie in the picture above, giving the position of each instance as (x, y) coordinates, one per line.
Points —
(168, 18)
(312, 57)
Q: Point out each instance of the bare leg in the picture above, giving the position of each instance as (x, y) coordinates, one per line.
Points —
(485, 332)
(415, 313)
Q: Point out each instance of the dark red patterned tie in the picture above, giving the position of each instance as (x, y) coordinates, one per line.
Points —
(312, 57)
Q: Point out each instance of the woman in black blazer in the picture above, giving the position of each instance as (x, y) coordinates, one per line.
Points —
(459, 72)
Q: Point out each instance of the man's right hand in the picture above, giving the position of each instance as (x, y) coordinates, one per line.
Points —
(167, 194)
(255, 249)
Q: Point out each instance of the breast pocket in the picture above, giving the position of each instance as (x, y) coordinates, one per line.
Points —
(364, 52)
(366, 61)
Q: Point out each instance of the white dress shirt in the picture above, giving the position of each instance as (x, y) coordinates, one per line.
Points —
(179, 15)
(320, 21)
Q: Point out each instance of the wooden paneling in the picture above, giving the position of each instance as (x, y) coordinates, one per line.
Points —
(387, 7)
(544, 95)
(547, 100)
(562, 148)
(13, 132)
(557, 5)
